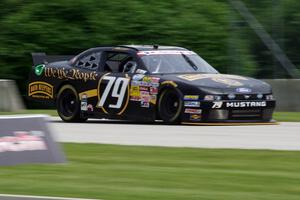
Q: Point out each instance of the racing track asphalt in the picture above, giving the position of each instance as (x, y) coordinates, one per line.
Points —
(285, 136)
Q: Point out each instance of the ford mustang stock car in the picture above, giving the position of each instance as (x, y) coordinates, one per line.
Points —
(146, 83)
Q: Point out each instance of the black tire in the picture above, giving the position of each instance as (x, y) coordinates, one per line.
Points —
(68, 104)
(170, 106)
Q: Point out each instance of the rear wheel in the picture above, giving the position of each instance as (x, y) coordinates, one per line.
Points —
(170, 106)
(68, 104)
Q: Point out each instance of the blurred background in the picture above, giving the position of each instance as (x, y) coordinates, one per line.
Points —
(257, 38)
(230, 41)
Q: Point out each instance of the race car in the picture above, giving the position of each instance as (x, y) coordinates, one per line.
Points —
(146, 83)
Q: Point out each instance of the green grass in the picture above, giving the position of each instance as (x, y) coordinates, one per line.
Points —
(287, 116)
(278, 116)
(114, 172)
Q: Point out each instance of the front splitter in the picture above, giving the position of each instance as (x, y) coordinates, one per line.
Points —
(273, 122)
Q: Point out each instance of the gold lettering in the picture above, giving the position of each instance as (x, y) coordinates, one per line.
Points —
(86, 76)
(71, 74)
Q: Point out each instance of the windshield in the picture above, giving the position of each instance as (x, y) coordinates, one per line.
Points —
(175, 62)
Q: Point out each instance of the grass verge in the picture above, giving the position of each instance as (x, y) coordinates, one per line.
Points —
(114, 172)
(287, 116)
(33, 111)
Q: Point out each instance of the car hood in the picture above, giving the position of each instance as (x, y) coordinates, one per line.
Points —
(221, 83)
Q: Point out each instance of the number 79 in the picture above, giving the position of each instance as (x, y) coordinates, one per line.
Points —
(118, 83)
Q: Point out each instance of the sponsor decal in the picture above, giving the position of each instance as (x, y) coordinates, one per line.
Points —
(23, 141)
(145, 84)
(154, 84)
(195, 117)
(190, 97)
(39, 69)
(153, 99)
(147, 79)
(144, 93)
(231, 80)
(135, 83)
(192, 104)
(155, 79)
(138, 77)
(153, 90)
(172, 83)
(135, 98)
(145, 104)
(72, 74)
(146, 98)
(83, 104)
(40, 89)
(193, 77)
(217, 104)
(134, 91)
(90, 107)
(193, 111)
(246, 104)
(226, 81)
(243, 90)
(144, 90)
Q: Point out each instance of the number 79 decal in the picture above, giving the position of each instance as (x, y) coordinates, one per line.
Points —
(115, 90)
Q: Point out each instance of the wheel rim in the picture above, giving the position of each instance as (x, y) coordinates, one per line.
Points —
(68, 103)
(170, 106)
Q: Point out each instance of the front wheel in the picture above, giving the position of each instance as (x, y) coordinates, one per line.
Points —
(68, 104)
(170, 106)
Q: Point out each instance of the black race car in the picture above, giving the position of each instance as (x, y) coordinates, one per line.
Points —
(146, 83)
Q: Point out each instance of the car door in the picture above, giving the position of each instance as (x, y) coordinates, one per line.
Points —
(114, 85)
(124, 89)
(85, 75)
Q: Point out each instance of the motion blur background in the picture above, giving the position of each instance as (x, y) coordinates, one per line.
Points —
(258, 38)
(212, 28)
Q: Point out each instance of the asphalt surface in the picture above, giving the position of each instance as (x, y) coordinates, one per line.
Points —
(285, 136)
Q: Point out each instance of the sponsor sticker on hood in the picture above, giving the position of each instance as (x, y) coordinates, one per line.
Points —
(230, 80)
(243, 90)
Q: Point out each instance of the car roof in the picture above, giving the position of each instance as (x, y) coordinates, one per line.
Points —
(128, 47)
(152, 47)
(138, 47)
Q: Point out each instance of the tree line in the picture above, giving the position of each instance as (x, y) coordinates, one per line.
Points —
(211, 28)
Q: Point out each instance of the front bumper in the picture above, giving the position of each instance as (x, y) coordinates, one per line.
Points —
(230, 111)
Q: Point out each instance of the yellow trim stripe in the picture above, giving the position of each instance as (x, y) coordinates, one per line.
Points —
(169, 83)
(230, 123)
(89, 93)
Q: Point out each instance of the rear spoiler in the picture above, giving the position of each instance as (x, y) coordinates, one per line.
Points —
(42, 58)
